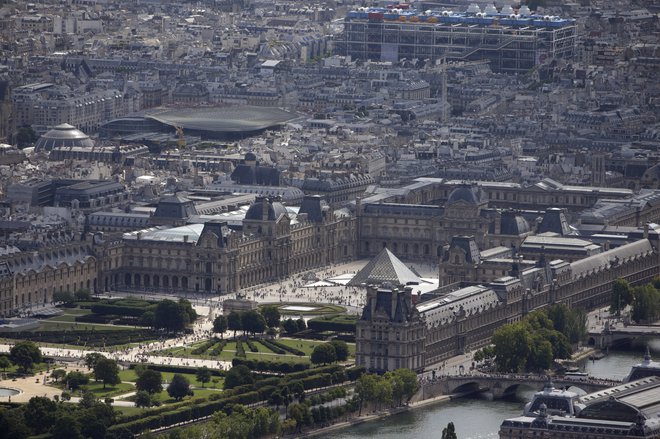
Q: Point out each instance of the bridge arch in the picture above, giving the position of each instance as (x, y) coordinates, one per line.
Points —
(470, 387)
(511, 390)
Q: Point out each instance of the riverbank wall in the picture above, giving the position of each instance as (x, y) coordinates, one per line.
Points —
(377, 416)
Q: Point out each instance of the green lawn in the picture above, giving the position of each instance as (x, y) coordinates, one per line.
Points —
(129, 375)
(164, 398)
(55, 326)
(36, 368)
(129, 410)
(307, 346)
(229, 352)
(98, 390)
(65, 318)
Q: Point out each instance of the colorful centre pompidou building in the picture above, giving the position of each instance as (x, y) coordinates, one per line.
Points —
(513, 41)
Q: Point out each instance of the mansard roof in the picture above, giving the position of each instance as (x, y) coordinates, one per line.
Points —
(605, 260)
(470, 300)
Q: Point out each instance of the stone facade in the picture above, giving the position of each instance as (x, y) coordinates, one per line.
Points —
(391, 330)
(28, 279)
(465, 319)
(212, 257)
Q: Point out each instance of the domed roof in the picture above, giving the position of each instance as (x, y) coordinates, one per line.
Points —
(263, 209)
(64, 135)
(651, 175)
(513, 224)
(466, 193)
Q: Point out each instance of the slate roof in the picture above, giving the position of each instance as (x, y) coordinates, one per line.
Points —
(397, 311)
(313, 206)
(513, 224)
(555, 221)
(259, 175)
(468, 245)
(471, 300)
(175, 207)
(603, 261)
(385, 267)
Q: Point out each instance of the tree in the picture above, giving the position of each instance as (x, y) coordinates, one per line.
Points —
(25, 354)
(621, 296)
(39, 413)
(148, 319)
(298, 391)
(88, 399)
(106, 370)
(203, 375)
(290, 326)
(66, 427)
(341, 349)
(271, 315)
(170, 316)
(646, 306)
(365, 388)
(74, 380)
(409, 381)
(142, 399)
(384, 391)
(58, 374)
(92, 358)
(301, 414)
(449, 432)
(188, 309)
(220, 324)
(82, 295)
(301, 324)
(512, 347)
(323, 354)
(150, 381)
(253, 322)
(64, 297)
(179, 387)
(25, 136)
(237, 376)
(4, 363)
(234, 322)
(139, 369)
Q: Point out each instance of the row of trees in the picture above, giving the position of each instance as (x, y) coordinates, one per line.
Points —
(645, 300)
(532, 344)
(42, 416)
(170, 315)
(67, 298)
(253, 322)
(394, 388)
(325, 353)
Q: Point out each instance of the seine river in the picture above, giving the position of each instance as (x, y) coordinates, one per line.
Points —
(480, 417)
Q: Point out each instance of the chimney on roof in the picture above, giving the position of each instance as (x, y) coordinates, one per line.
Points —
(394, 295)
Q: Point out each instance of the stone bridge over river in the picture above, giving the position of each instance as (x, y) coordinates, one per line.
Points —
(502, 385)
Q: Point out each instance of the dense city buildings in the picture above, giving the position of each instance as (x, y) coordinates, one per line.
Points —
(213, 149)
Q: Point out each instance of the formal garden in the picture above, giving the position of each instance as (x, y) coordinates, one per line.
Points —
(116, 323)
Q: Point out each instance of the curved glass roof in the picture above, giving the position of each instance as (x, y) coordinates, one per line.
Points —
(63, 135)
(175, 234)
(223, 119)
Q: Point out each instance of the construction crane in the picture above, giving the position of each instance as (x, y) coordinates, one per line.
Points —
(181, 143)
